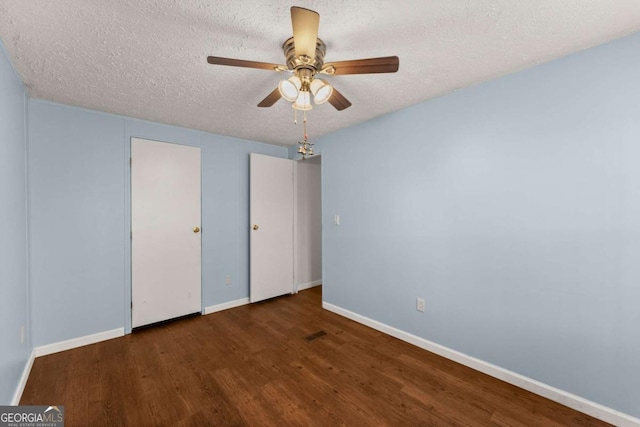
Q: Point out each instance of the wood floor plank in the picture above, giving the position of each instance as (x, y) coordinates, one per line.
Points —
(254, 365)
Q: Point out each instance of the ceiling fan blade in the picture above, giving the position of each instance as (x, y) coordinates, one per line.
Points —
(385, 64)
(217, 60)
(339, 101)
(305, 24)
(271, 99)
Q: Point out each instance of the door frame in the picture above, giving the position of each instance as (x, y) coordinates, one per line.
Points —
(127, 270)
(296, 272)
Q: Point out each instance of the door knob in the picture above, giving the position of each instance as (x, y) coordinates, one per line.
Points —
(196, 229)
(255, 226)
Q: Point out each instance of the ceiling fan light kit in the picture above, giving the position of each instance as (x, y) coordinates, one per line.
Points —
(321, 91)
(289, 88)
(303, 102)
(297, 91)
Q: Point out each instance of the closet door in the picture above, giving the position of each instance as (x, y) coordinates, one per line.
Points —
(271, 222)
(165, 226)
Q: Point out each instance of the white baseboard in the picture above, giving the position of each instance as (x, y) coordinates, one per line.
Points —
(225, 305)
(308, 285)
(23, 379)
(578, 403)
(56, 347)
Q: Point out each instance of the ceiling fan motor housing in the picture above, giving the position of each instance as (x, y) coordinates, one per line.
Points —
(300, 63)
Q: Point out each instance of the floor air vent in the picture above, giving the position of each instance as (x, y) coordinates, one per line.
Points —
(315, 336)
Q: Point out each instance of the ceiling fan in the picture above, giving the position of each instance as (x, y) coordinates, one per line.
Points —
(304, 53)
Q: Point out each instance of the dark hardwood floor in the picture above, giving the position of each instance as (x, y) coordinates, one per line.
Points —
(252, 365)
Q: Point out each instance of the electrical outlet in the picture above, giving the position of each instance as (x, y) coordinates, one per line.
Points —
(420, 304)
(21, 334)
(227, 279)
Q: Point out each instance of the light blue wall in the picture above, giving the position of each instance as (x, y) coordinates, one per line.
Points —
(80, 212)
(513, 209)
(76, 192)
(14, 290)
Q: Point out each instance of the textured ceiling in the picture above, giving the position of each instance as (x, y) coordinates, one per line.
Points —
(147, 58)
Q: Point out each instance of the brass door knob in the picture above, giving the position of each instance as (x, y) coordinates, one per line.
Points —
(255, 226)
(196, 229)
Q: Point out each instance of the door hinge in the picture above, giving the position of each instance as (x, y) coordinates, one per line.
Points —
(131, 235)
(132, 305)
(130, 161)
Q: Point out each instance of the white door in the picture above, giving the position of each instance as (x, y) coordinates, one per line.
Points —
(271, 217)
(165, 225)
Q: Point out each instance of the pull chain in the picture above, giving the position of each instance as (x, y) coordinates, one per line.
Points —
(305, 148)
(305, 126)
